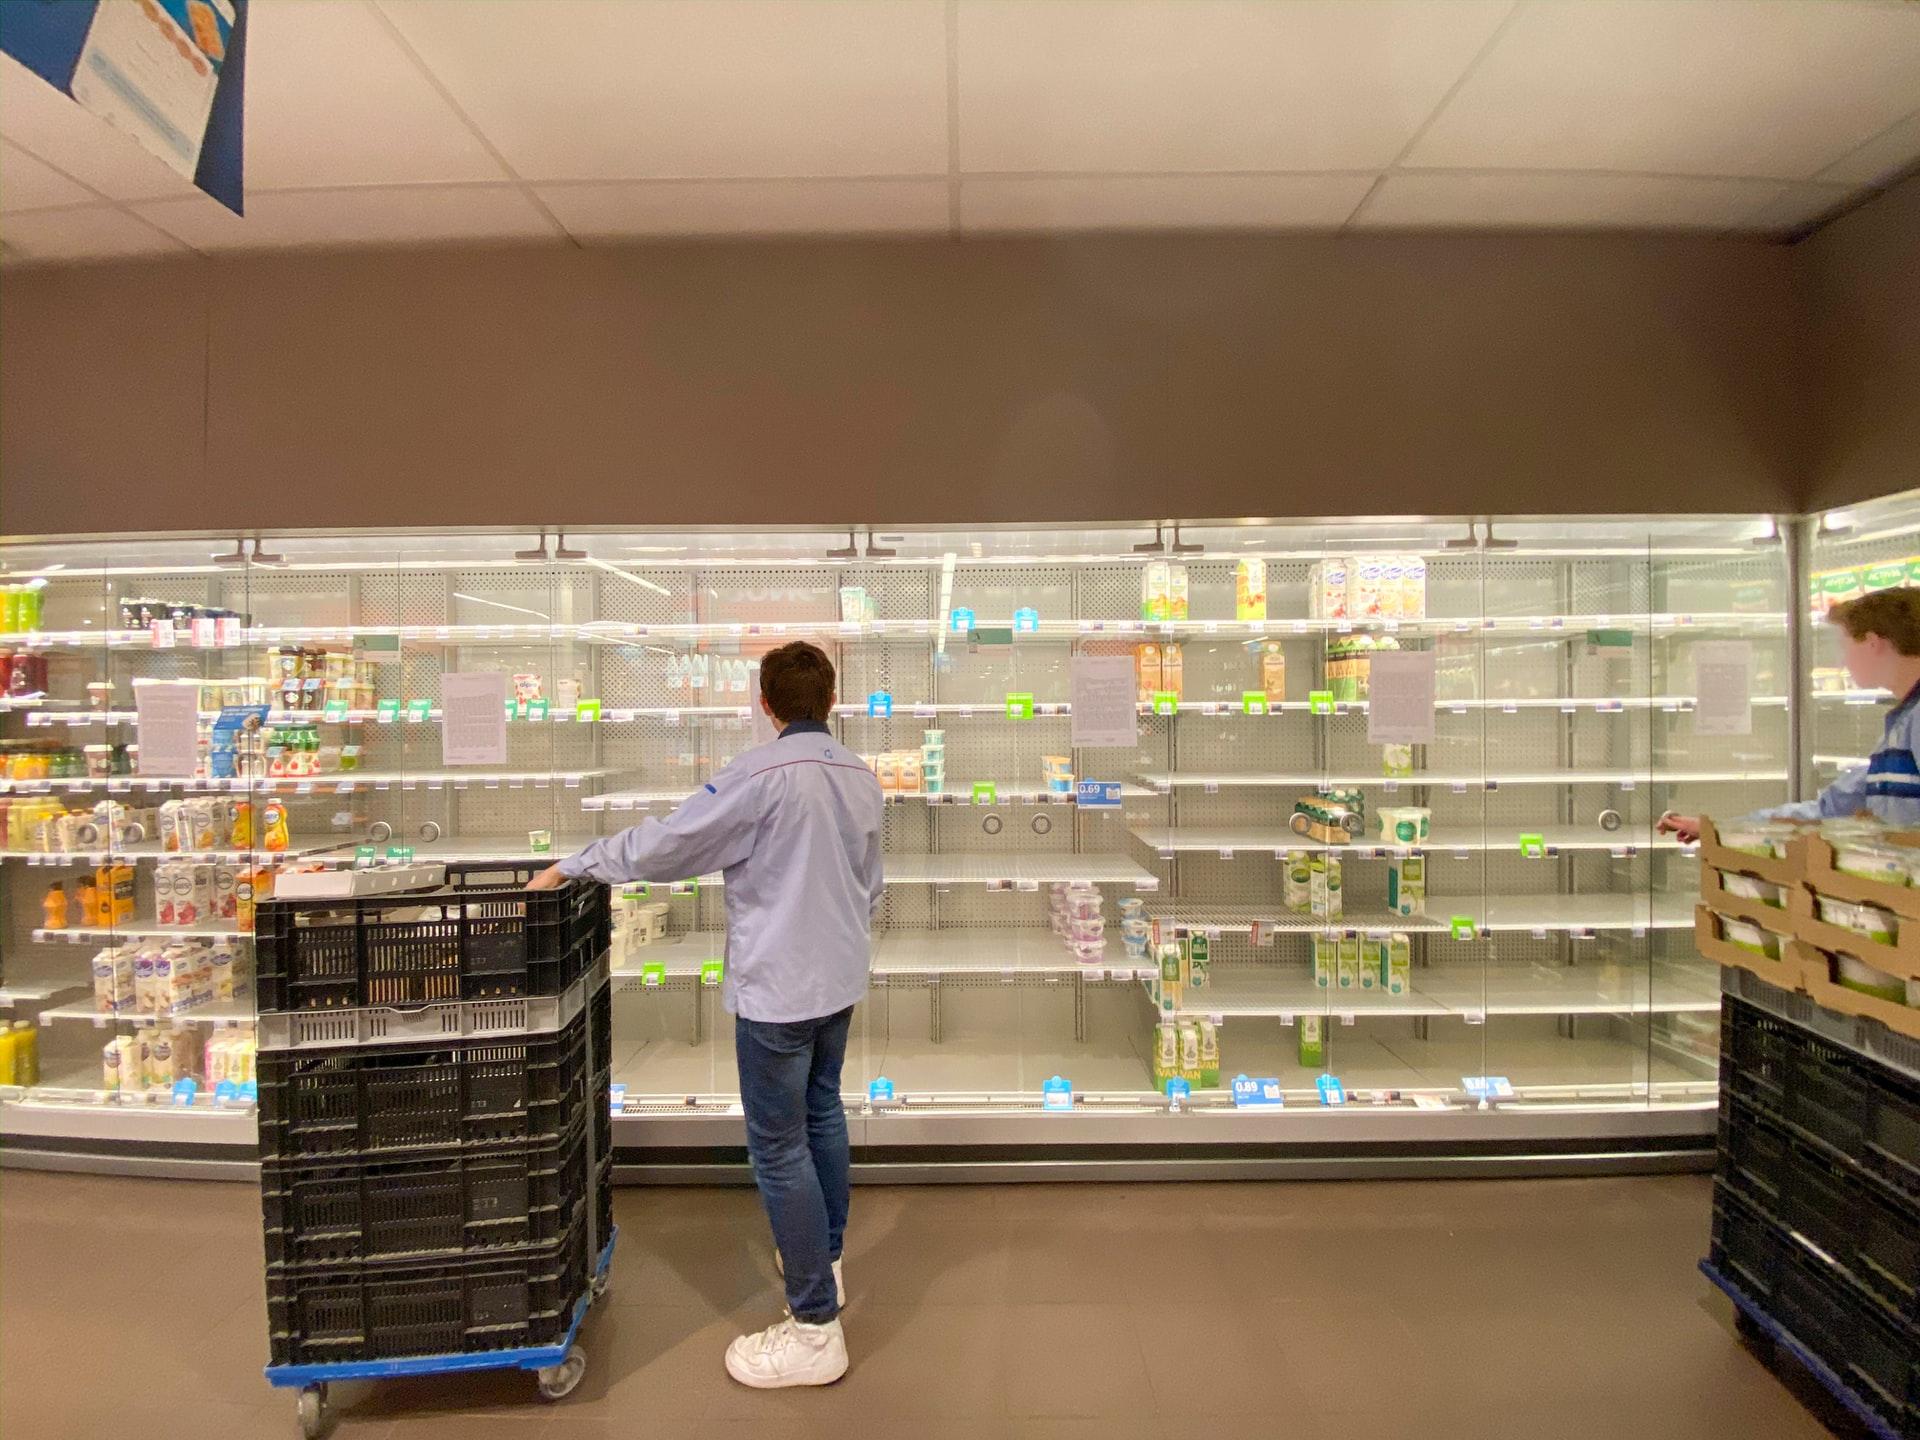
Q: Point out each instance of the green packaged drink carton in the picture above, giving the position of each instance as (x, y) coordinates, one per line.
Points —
(1407, 885)
(1313, 1047)
(1323, 880)
(1366, 962)
(1199, 962)
(1166, 1054)
(1299, 882)
(1396, 963)
(1190, 1053)
(1171, 964)
(1347, 971)
(1326, 959)
(1209, 1055)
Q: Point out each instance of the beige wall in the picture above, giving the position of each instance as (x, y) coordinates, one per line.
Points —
(1862, 282)
(1044, 380)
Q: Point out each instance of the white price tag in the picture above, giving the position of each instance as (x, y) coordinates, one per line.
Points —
(345, 787)
(1226, 854)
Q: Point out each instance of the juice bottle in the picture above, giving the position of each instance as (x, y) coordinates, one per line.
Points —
(89, 897)
(55, 907)
(26, 1053)
(9, 1049)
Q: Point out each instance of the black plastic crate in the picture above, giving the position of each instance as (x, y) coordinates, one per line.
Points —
(1746, 1245)
(1754, 1048)
(1753, 1147)
(386, 1311)
(1870, 1351)
(416, 1098)
(443, 1205)
(463, 942)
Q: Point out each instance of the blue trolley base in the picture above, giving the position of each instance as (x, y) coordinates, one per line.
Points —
(1872, 1418)
(311, 1380)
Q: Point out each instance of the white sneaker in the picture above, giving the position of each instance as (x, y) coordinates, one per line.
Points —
(790, 1353)
(839, 1277)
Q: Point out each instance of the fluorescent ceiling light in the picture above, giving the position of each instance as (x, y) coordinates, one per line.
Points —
(501, 605)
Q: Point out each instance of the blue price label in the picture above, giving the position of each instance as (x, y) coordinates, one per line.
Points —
(184, 1091)
(1026, 619)
(226, 1093)
(1056, 1094)
(960, 619)
(1331, 1090)
(880, 704)
(1252, 1094)
(616, 1098)
(880, 1088)
(1097, 793)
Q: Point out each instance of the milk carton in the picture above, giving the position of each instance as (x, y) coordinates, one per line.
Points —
(1366, 961)
(1327, 589)
(1413, 587)
(1326, 959)
(1364, 588)
(1250, 590)
(1407, 885)
(1298, 892)
(1199, 963)
(1396, 963)
(113, 991)
(1323, 883)
(1177, 593)
(1156, 583)
(1313, 1049)
(1190, 1053)
(1347, 971)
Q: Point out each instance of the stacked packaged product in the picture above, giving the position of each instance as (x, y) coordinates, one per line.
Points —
(1075, 907)
(1368, 587)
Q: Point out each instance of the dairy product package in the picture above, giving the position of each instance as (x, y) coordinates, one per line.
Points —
(1750, 937)
(1365, 587)
(161, 1067)
(120, 1070)
(220, 959)
(1190, 1051)
(1326, 959)
(1156, 583)
(1327, 589)
(113, 991)
(1405, 824)
(146, 994)
(1146, 669)
(1298, 891)
(1199, 962)
(1858, 975)
(1173, 964)
(1209, 1053)
(1396, 963)
(1178, 601)
(1367, 961)
(1407, 885)
(1413, 587)
(1323, 879)
(1868, 920)
(1885, 863)
(1250, 590)
(1396, 761)
(163, 909)
(1273, 671)
(1313, 1049)
(1347, 969)
(1745, 887)
(1166, 1050)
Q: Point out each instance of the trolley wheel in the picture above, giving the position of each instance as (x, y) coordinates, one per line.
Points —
(558, 1381)
(1750, 1331)
(602, 1283)
(315, 1415)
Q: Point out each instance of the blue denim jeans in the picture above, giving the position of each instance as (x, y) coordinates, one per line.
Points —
(797, 1139)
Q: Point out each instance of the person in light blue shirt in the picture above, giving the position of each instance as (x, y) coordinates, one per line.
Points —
(1880, 644)
(794, 826)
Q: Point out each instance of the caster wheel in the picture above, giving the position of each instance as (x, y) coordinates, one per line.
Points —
(558, 1381)
(313, 1412)
(601, 1284)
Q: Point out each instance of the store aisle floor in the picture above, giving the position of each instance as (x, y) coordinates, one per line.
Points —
(1523, 1309)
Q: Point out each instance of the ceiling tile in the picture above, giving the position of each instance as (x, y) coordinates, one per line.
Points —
(1881, 159)
(27, 184)
(97, 232)
(333, 99)
(750, 207)
(1708, 87)
(1568, 202)
(612, 90)
(410, 215)
(1797, 207)
(1206, 84)
(1183, 202)
(39, 118)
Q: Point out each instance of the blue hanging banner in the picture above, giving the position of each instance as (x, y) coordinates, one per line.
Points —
(170, 73)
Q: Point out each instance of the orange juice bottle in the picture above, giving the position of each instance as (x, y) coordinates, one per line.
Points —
(55, 906)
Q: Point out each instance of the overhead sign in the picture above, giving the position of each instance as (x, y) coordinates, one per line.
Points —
(170, 73)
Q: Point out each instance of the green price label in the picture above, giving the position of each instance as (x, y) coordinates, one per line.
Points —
(1165, 702)
(1534, 847)
(1020, 706)
(1321, 702)
(985, 792)
(587, 711)
(684, 887)
(1463, 927)
(388, 712)
(363, 856)
(1253, 702)
(335, 713)
(419, 710)
(653, 976)
(712, 972)
(537, 710)
(401, 853)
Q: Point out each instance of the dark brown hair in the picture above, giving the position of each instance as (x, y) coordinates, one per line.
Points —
(797, 682)
(1894, 614)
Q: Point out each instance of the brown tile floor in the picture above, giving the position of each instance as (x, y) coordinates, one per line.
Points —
(1527, 1309)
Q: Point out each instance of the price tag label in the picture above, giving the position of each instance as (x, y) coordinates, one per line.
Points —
(388, 711)
(1056, 1094)
(653, 975)
(1332, 1092)
(1026, 884)
(712, 972)
(1487, 1087)
(1253, 702)
(985, 792)
(1533, 847)
(363, 856)
(880, 705)
(1320, 702)
(617, 1098)
(587, 712)
(1252, 1094)
(1463, 927)
(161, 634)
(335, 712)
(184, 1092)
(419, 711)
(1026, 620)
(1019, 706)
(539, 709)
(1165, 702)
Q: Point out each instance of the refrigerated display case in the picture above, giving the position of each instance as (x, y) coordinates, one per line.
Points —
(1082, 946)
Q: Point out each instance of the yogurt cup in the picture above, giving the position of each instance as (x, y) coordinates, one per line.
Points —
(1856, 975)
(1750, 937)
(1884, 863)
(1745, 887)
(1868, 920)
(1766, 839)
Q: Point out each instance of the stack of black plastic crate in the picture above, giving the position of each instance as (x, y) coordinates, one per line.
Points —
(435, 1140)
(1816, 1224)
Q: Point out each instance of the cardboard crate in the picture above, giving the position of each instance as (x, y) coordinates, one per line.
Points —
(1815, 968)
(1817, 872)
(1715, 857)
(1901, 958)
(1783, 972)
(1714, 895)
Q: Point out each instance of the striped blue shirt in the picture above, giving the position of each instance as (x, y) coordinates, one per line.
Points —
(1886, 787)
